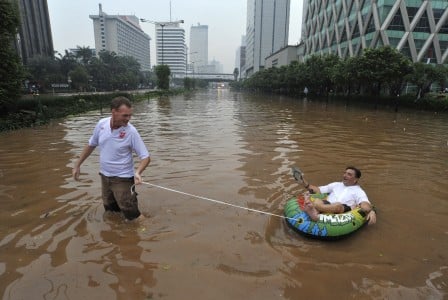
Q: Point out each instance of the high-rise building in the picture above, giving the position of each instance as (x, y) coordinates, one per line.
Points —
(267, 31)
(122, 35)
(418, 29)
(240, 57)
(171, 48)
(34, 38)
(198, 46)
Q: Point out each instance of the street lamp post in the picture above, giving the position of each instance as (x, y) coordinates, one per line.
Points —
(186, 61)
(193, 62)
(163, 26)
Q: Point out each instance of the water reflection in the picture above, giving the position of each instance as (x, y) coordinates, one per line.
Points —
(56, 242)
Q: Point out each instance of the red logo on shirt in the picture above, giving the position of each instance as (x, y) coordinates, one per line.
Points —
(122, 134)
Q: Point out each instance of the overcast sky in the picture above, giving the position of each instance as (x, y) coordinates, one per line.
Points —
(226, 20)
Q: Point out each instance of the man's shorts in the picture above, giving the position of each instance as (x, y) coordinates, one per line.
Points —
(117, 196)
(346, 207)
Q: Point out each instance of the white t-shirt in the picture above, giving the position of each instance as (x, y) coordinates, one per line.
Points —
(349, 195)
(116, 148)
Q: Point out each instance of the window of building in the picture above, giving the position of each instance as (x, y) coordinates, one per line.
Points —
(430, 53)
(343, 34)
(393, 41)
(384, 12)
(397, 22)
(365, 19)
(437, 14)
(406, 50)
(423, 24)
(419, 41)
(318, 6)
(352, 8)
(444, 44)
(370, 25)
(357, 48)
(339, 14)
(412, 11)
(355, 32)
(361, 4)
(444, 28)
(330, 18)
(324, 41)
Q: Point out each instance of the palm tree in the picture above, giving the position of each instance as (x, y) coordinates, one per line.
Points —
(84, 54)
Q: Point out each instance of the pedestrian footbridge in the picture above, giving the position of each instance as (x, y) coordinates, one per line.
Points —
(210, 76)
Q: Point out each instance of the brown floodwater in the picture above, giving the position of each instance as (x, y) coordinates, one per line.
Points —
(56, 242)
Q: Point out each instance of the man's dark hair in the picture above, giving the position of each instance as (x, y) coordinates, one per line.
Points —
(357, 171)
(119, 101)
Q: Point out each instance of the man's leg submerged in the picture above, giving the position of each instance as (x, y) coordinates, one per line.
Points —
(127, 200)
(109, 202)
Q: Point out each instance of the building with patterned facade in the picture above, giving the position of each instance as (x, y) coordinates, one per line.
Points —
(417, 28)
(122, 34)
(267, 30)
(34, 37)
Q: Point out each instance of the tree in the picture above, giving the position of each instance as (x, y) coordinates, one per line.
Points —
(163, 73)
(44, 70)
(384, 66)
(188, 83)
(320, 72)
(236, 73)
(424, 76)
(79, 77)
(84, 54)
(67, 63)
(11, 70)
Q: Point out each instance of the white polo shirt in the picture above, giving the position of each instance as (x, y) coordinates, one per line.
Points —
(117, 147)
(349, 195)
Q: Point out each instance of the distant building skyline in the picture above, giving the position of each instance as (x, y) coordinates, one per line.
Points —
(240, 57)
(267, 30)
(122, 34)
(198, 51)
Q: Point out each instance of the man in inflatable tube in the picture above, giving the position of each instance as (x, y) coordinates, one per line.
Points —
(342, 197)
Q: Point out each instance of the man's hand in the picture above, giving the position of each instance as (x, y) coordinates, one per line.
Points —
(371, 217)
(138, 178)
(75, 172)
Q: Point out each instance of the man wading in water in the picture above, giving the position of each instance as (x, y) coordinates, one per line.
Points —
(117, 140)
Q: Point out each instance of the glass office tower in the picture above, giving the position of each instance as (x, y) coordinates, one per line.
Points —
(34, 37)
(417, 28)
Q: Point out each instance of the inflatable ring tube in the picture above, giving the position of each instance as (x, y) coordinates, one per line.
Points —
(328, 227)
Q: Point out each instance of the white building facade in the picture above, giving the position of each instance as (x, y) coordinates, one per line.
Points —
(122, 35)
(267, 30)
(171, 48)
(198, 47)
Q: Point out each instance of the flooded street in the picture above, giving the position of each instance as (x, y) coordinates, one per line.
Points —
(56, 242)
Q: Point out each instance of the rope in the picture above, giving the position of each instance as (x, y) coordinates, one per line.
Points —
(213, 200)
